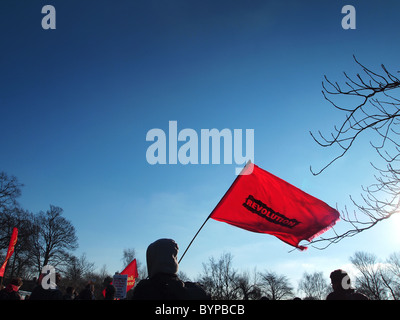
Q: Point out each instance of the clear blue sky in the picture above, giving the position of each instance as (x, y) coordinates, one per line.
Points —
(76, 104)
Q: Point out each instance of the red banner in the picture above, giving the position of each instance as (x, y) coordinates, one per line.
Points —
(10, 251)
(131, 271)
(261, 202)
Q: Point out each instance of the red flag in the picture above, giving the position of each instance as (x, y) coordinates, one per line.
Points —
(131, 271)
(10, 251)
(261, 202)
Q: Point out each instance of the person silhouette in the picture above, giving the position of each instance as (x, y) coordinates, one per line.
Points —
(163, 282)
(11, 291)
(341, 285)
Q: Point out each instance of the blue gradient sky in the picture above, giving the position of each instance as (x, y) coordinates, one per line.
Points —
(76, 104)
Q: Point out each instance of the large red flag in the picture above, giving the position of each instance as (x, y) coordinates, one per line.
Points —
(10, 251)
(131, 271)
(261, 202)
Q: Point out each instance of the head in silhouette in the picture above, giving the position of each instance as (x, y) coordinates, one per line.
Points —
(161, 257)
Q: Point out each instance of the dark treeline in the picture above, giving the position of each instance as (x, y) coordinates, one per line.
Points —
(48, 238)
(375, 279)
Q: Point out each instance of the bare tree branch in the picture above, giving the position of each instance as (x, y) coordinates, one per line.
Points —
(377, 112)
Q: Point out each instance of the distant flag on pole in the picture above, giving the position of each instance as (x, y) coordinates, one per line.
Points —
(131, 271)
(10, 251)
(261, 202)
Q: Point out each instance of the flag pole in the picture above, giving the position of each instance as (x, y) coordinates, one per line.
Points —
(194, 238)
(236, 179)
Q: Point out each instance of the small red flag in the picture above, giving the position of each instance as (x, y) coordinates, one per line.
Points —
(10, 251)
(261, 202)
(131, 271)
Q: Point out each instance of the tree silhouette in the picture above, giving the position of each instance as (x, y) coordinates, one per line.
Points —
(276, 287)
(377, 111)
(219, 278)
(314, 286)
(10, 190)
(54, 238)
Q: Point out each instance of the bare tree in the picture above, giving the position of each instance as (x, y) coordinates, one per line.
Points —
(77, 270)
(393, 274)
(219, 278)
(12, 215)
(10, 190)
(370, 280)
(376, 111)
(276, 287)
(314, 286)
(44, 238)
(21, 262)
(54, 238)
(247, 286)
(128, 256)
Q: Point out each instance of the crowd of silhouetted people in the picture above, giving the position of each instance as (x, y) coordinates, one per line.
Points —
(12, 292)
(162, 283)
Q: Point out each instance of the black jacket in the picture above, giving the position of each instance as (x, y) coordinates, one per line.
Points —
(163, 282)
(165, 286)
